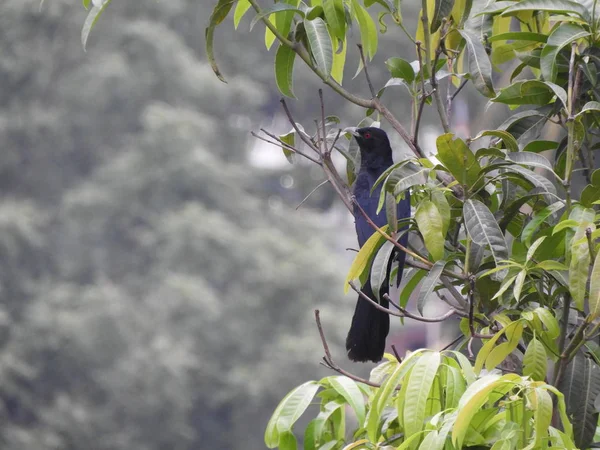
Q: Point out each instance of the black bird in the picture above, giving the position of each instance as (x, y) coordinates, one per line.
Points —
(370, 327)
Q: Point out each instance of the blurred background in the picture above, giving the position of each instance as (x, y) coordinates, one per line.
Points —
(157, 284)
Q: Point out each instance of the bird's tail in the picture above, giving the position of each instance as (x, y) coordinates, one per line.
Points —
(369, 328)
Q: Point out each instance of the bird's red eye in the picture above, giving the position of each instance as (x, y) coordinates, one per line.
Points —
(367, 135)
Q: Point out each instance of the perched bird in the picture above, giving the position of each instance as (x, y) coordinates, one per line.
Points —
(370, 326)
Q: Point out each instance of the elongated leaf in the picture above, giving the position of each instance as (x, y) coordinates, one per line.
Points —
(560, 37)
(364, 257)
(530, 92)
(430, 225)
(509, 141)
(289, 411)
(518, 36)
(513, 333)
(379, 268)
(320, 44)
(384, 393)
(594, 298)
(429, 284)
(480, 68)
(414, 278)
(97, 11)
(368, 30)
(336, 19)
(419, 384)
(542, 415)
(476, 395)
(441, 10)
(284, 70)
(579, 267)
(580, 385)
(524, 124)
(538, 181)
(441, 202)
(556, 6)
(240, 10)
(275, 9)
(535, 361)
(538, 219)
(348, 389)
(530, 159)
(484, 230)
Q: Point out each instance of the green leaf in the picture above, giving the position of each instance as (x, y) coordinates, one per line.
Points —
(384, 393)
(288, 411)
(320, 44)
(240, 10)
(589, 107)
(368, 29)
(339, 62)
(484, 230)
(480, 68)
(364, 257)
(535, 361)
(537, 180)
(542, 415)
(556, 6)
(560, 37)
(530, 159)
(579, 267)
(348, 389)
(290, 139)
(284, 70)
(430, 225)
(414, 278)
(509, 141)
(519, 36)
(419, 384)
(530, 92)
(86, 4)
(336, 19)
(218, 15)
(594, 298)
(476, 395)
(400, 68)
(539, 218)
(580, 385)
(287, 441)
(97, 11)
(513, 333)
(406, 176)
(379, 268)
(551, 265)
(441, 202)
(460, 161)
(441, 10)
(429, 284)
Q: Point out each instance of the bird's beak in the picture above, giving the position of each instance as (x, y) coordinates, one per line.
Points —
(352, 131)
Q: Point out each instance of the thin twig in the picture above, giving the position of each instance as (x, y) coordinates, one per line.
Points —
(396, 354)
(588, 234)
(336, 181)
(410, 315)
(329, 363)
(280, 143)
(311, 193)
(364, 61)
(323, 131)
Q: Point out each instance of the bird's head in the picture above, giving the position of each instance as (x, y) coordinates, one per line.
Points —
(374, 145)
